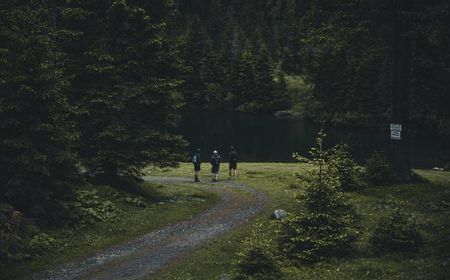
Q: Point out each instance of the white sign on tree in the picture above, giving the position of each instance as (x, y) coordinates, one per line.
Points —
(396, 131)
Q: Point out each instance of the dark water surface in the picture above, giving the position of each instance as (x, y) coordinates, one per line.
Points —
(270, 139)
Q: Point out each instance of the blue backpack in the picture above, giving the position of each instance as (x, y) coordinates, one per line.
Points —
(215, 160)
(195, 159)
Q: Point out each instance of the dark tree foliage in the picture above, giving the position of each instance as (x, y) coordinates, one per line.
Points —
(202, 81)
(37, 159)
(84, 85)
(344, 54)
(346, 51)
(242, 45)
(123, 74)
(431, 65)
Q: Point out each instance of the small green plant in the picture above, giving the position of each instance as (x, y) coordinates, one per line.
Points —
(342, 165)
(89, 208)
(396, 231)
(313, 237)
(41, 243)
(256, 261)
(137, 201)
(322, 229)
(378, 170)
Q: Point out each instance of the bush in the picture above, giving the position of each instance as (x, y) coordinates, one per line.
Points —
(88, 208)
(256, 261)
(15, 233)
(378, 170)
(41, 243)
(396, 231)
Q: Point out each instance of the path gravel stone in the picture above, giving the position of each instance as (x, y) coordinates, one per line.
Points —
(152, 252)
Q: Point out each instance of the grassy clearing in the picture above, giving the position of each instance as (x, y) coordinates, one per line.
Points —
(172, 204)
(429, 202)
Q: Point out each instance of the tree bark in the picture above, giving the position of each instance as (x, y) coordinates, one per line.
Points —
(401, 89)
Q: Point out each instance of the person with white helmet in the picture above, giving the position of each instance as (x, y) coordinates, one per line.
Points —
(215, 165)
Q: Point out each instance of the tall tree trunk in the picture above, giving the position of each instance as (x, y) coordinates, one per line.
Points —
(401, 89)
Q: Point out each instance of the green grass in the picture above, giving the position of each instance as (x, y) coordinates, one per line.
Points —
(174, 204)
(429, 202)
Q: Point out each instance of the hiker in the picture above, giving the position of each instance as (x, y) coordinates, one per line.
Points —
(197, 162)
(215, 164)
(232, 163)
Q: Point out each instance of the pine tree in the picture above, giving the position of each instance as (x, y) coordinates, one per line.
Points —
(255, 87)
(202, 85)
(265, 86)
(235, 44)
(37, 161)
(323, 226)
(242, 81)
(124, 82)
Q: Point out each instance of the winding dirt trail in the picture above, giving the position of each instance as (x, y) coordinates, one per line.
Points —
(152, 252)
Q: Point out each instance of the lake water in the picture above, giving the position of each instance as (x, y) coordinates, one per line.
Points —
(270, 139)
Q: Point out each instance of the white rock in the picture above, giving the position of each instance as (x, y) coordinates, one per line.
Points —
(279, 214)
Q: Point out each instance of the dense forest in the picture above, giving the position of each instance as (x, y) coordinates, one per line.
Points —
(91, 90)
(340, 54)
(86, 87)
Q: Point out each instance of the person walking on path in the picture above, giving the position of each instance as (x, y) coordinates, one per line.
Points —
(197, 162)
(232, 163)
(215, 165)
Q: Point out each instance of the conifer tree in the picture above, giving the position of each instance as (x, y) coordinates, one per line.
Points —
(37, 161)
(242, 79)
(124, 81)
(202, 82)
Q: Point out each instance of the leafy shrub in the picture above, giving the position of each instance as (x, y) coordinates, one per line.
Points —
(10, 241)
(256, 261)
(88, 208)
(378, 170)
(136, 201)
(41, 242)
(323, 228)
(342, 165)
(396, 231)
(15, 232)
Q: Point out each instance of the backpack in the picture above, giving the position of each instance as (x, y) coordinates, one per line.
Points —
(215, 160)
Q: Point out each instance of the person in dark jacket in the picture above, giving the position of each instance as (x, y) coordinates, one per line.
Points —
(196, 160)
(232, 163)
(215, 165)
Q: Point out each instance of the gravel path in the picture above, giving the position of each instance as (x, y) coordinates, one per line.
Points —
(150, 253)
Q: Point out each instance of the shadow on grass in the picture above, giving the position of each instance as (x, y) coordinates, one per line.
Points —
(133, 185)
